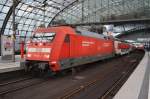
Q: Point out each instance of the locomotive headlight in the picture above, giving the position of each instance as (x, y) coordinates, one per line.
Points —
(40, 44)
(53, 62)
(28, 55)
(47, 56)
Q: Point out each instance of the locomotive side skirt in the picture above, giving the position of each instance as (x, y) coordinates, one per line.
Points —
(69, 63)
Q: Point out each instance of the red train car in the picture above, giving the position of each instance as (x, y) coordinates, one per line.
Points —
(63, 47)
(122, 47)
(140, 47)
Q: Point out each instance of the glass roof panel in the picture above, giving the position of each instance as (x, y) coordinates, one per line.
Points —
(103, 10)
(31, 13)
(2, 16)
(3, 1)
(5, 9)
(1, 22)
(1, 6)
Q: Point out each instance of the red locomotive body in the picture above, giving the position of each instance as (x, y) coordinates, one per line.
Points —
(59, 48)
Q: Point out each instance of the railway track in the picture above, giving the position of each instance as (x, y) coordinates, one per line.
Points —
(95, 81)
(111, 91)
(71, 93)
(10, 76)
(116, 86)
(9, 87)
(15, 81)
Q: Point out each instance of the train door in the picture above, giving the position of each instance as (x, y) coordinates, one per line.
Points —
(65, 49)
(67, 42)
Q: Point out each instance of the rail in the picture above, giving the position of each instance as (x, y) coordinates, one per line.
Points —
(31, 82)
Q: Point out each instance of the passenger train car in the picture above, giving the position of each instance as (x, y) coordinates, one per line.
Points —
(63, 47)
(122, 47)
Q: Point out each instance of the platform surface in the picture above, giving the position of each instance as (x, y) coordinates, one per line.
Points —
(136, 87)
(7, 66)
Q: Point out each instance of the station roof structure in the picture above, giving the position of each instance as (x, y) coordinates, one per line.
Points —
(31, 14)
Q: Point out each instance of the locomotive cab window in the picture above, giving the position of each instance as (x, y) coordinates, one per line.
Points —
(44, 37)
(67, 39)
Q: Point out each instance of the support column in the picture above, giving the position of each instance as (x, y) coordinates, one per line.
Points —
(14, 31)
(0, 45)
(82, 11)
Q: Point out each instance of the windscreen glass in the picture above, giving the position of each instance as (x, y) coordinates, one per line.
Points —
(44, 37)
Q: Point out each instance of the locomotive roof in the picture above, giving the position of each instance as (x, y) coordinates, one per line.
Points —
(90, 34)
(71, 30)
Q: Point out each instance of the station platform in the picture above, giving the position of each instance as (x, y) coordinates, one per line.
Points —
(8, 66)
(138, 84)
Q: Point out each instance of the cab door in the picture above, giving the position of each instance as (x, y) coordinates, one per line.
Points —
(65, 50)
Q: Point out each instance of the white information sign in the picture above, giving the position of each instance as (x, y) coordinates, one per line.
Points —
(6, 45)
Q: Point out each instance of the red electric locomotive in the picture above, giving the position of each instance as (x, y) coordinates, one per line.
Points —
(63, 47)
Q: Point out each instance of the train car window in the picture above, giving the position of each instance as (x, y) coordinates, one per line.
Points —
(67, 39)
